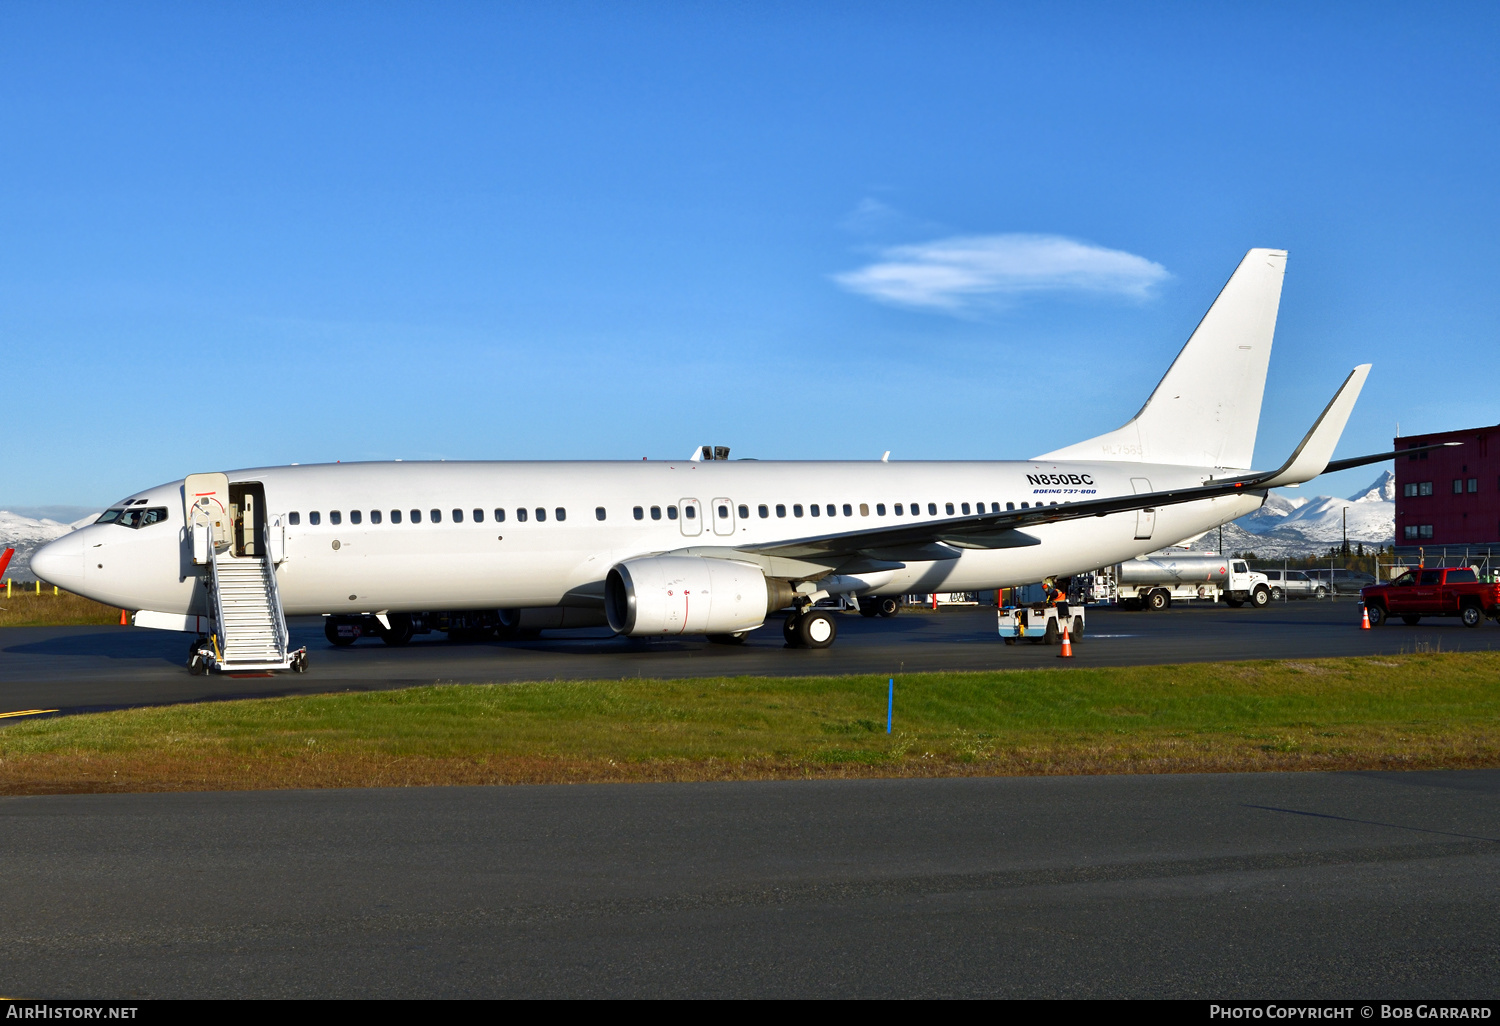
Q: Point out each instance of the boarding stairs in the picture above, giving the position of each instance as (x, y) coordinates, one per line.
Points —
(250, 628)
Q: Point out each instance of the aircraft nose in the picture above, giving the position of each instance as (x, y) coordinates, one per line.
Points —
(60, 562)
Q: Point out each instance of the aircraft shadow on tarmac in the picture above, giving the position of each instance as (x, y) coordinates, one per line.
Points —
(122, 644)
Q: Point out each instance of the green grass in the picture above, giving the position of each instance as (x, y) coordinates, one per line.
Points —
(25, 608)
(1399, 711)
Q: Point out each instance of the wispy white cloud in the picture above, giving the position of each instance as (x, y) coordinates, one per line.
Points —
(961, 272)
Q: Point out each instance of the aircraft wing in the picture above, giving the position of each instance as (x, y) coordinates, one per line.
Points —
(945, 539)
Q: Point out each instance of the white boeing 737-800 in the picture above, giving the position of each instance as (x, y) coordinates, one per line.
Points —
(692, 547)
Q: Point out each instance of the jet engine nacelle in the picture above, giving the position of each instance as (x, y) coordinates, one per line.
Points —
(656, 595)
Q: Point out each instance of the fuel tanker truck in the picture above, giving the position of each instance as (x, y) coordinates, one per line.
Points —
(1156, 581)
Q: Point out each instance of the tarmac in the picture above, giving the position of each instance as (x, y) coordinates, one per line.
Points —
(1345, 886)
(76, 669)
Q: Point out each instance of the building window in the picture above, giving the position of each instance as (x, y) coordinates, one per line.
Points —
(880, 509)
(1424, 488)
(478, 516)
(638, 513)
(671, 512)
(1410, 532)
(521, 514)
(395, 516)
(416, 516)
(599, 513)
(1473, 485)
(355, 516)
(1409, 490)
(458, 516)
(335, 517)
(374, 516)
(1424, 531)
(499, 515)
(315, 518)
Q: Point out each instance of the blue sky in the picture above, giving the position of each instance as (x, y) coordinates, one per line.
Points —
(245, 234)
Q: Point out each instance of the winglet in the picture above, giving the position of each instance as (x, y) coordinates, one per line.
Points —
(1312, 456)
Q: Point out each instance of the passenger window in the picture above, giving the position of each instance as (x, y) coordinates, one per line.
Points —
(671, 512)
(966, 509)
(355, 516)
(691, 512)
(562, 514)
(832, 511)
(294, 518)
(763, 510)
(395, 516)
(521, 514)
(744, 512)
(796, 510)
(1025, 505)
(780, 510)
(723, 512)
(898, 510)
(315, 518)
(335, 517)
(458, 516)
(1432, 577)
(815, 510)
(478, 516)
(639, 513)
(541, 514)
(655, 512)
(880, 509)
(437, 516)
(848, 510)
(1010, 505)
(499, 515)
(1461, 577)
(949, 508)
(374, 516)
(598, 513)
(416, 516)
(932, 509)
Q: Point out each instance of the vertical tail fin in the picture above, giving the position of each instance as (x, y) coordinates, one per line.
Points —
(1206, 410)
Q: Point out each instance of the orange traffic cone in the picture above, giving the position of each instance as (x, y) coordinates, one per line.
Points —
(123, 621)
(1067, 646)
(1364, 611)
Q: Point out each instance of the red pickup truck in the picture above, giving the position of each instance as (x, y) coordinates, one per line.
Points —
(1418, 593)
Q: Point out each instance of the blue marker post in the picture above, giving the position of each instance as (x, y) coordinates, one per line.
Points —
(890, 704)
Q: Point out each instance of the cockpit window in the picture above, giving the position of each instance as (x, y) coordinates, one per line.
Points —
(138, 517)
(109, 516)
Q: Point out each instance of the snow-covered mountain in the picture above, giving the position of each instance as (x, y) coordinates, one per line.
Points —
(26, 535)
(1301, 527)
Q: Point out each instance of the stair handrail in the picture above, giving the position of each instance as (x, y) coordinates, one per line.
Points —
(217, 608)
(278, 617)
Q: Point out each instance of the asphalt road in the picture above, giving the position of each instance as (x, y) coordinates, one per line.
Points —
(1258, 885)
(78, 668)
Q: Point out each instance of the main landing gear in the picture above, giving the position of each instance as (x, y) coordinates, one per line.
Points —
(811, 628)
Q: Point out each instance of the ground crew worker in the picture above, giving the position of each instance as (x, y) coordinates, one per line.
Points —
(1056, 597)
